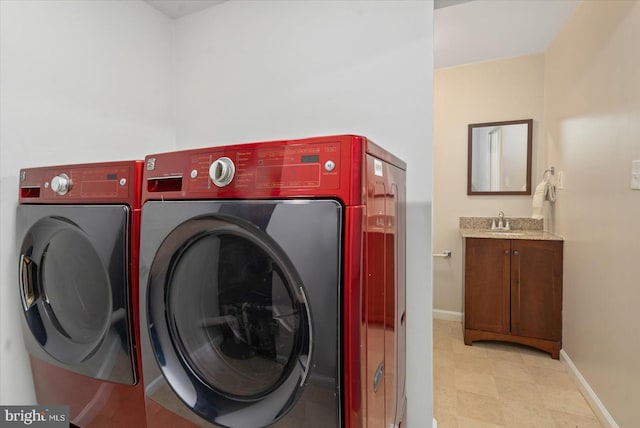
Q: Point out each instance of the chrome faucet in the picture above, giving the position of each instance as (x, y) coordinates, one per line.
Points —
(501, 223)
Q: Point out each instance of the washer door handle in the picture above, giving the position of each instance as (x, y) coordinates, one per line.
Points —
(28, 272)
(307, 367)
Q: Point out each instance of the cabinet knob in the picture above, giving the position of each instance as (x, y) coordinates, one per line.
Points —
(516, 252)
(506, 252)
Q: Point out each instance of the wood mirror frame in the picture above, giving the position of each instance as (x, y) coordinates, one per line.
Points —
(494, 154)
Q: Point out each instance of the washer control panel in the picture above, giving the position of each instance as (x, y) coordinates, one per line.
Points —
(303, 166)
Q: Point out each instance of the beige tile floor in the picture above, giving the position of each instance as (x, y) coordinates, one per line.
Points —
(492, 384)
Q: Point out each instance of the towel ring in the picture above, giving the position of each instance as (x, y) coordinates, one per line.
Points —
(552, 170)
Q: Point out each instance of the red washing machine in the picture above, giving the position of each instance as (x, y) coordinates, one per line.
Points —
(272, 285)
(78, 234)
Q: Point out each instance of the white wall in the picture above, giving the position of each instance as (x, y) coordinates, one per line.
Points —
(80, 81)
(91, 81)
(506, 89)
(592, 111)
(253, 71)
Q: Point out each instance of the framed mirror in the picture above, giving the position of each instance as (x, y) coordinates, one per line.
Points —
(500, 158)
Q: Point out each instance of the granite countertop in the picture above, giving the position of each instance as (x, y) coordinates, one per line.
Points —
(539, 235)
(521, 228)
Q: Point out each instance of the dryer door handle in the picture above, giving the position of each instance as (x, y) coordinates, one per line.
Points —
(28, 291)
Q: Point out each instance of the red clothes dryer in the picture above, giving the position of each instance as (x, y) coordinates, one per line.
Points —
(78, 235)
(272, 285)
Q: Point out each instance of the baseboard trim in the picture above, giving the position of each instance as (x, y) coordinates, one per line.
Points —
(447, 315)
(435, 423)
(590, 396)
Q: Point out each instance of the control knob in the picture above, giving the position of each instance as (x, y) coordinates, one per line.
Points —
(60, 184)
(222, 171)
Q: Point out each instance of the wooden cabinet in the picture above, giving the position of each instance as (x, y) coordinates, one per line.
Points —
(513, 292)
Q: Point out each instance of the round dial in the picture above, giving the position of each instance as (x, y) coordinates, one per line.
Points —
(222, 171)
(60, 184)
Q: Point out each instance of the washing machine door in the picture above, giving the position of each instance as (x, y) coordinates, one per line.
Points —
(229, 314)
(72, 276)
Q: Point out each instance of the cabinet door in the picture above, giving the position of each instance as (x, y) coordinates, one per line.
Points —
(536, 289)
(487, 267)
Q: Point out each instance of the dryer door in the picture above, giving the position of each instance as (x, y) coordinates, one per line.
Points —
(72, 276)
(229, 313)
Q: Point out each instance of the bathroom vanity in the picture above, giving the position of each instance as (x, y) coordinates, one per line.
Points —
(512, 287)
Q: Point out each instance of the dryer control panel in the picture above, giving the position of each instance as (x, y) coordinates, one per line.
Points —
(100, 182)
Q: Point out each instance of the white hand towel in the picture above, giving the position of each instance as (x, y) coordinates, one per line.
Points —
(550, 192)
(538, 199)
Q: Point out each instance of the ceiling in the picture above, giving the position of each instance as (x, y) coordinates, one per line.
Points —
(178, 8)
(465, 31)
(483, 30)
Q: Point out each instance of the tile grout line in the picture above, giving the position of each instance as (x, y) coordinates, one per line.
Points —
(447, 340)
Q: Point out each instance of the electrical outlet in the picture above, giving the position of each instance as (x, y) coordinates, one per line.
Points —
(560, 179)
(635, 175)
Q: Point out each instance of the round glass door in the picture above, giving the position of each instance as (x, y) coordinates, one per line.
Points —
(67, 289)
(236, 315)
(75, 287)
